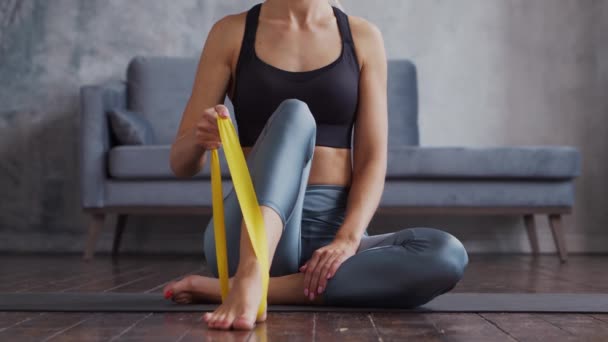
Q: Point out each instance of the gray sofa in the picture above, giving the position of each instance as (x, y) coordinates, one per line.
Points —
(137, 179)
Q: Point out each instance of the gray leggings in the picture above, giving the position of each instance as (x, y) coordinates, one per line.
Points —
(403, 269)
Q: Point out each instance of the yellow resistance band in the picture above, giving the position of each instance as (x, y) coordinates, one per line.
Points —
(252, 215)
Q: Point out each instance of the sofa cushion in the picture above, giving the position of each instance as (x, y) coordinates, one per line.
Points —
(159, 89)
(141, 162)
(402, 94)
(130, 128)
(397, 193)
(473, 193)
(534, 162)
(404, 162)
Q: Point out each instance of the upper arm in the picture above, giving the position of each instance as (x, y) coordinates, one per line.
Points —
(213, 72)
(371, 125)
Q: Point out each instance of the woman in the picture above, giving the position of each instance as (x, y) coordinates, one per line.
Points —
(301, 74)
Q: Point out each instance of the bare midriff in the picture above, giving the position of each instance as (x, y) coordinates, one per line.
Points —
(329, 165)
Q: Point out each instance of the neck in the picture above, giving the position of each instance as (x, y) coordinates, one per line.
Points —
(299, 11)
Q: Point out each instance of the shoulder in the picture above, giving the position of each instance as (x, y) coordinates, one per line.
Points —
(229, 26)
(226, 35)
(367, 37)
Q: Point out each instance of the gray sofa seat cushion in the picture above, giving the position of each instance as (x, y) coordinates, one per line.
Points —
(397, 193)
(478, 193)
(517, 162)
(404, 162)
(147, 162)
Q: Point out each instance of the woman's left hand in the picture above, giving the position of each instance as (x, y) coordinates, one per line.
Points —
(323, 265)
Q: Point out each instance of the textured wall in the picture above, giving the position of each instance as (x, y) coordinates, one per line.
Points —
(492, 72)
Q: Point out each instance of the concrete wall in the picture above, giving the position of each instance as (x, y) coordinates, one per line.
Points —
(492, 72)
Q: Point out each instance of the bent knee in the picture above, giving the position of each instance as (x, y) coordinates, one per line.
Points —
(449, 253)
(294, 113)
(292, 124)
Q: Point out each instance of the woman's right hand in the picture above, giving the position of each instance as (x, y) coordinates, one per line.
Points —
(206, 131)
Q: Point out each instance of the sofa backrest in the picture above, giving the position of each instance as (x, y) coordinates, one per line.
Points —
(402, 96)
(159, 87)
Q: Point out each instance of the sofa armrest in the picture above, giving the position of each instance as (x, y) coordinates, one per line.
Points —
(95, 139)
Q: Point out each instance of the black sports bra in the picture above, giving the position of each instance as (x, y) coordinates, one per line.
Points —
(331, 92)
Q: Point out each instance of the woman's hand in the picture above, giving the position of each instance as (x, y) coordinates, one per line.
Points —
(323, 265)
(206, 130)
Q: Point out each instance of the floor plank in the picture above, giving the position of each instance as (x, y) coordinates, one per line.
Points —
(601, 317)
(400, 327)
(584, 327)
(99, 327)
(529, 327)
(467, 327)
(289, 326)
(43, 326)
(160, 327)
(487, 273)
(344, 326)
(12, 319)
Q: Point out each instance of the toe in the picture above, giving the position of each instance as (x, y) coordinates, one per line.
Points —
(243, 323)
(176, 287)
(214, 320)
(168, 290)
(183, 298)
(211, 321)
(224, 322)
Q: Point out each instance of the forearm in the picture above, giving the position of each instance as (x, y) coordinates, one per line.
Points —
(363, 199)
(187, 157)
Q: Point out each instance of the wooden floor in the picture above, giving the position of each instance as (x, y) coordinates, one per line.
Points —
(582, 274)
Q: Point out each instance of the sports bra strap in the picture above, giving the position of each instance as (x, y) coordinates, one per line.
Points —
(343, 25)
(251, 24)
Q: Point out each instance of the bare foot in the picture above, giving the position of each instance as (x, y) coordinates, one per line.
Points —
(240, 309)
(193, 289)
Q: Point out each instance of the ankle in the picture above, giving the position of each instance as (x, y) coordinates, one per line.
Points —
(247, 266)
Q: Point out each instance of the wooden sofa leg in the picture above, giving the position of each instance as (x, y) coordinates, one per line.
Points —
(95, 227)
(555, 221)
(531, 229)
(121, 222)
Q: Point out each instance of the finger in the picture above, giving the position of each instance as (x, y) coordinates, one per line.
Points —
(222, 111)
(210, 144)
(317, 273)
(325, 271)
(205, 135)
(207, 129)
(308, 276)
(209, 118)
(210, 114)
(213, 145)
(202, 137)
(209, 121)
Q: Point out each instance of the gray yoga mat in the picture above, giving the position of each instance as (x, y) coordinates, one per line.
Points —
(450, 302)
